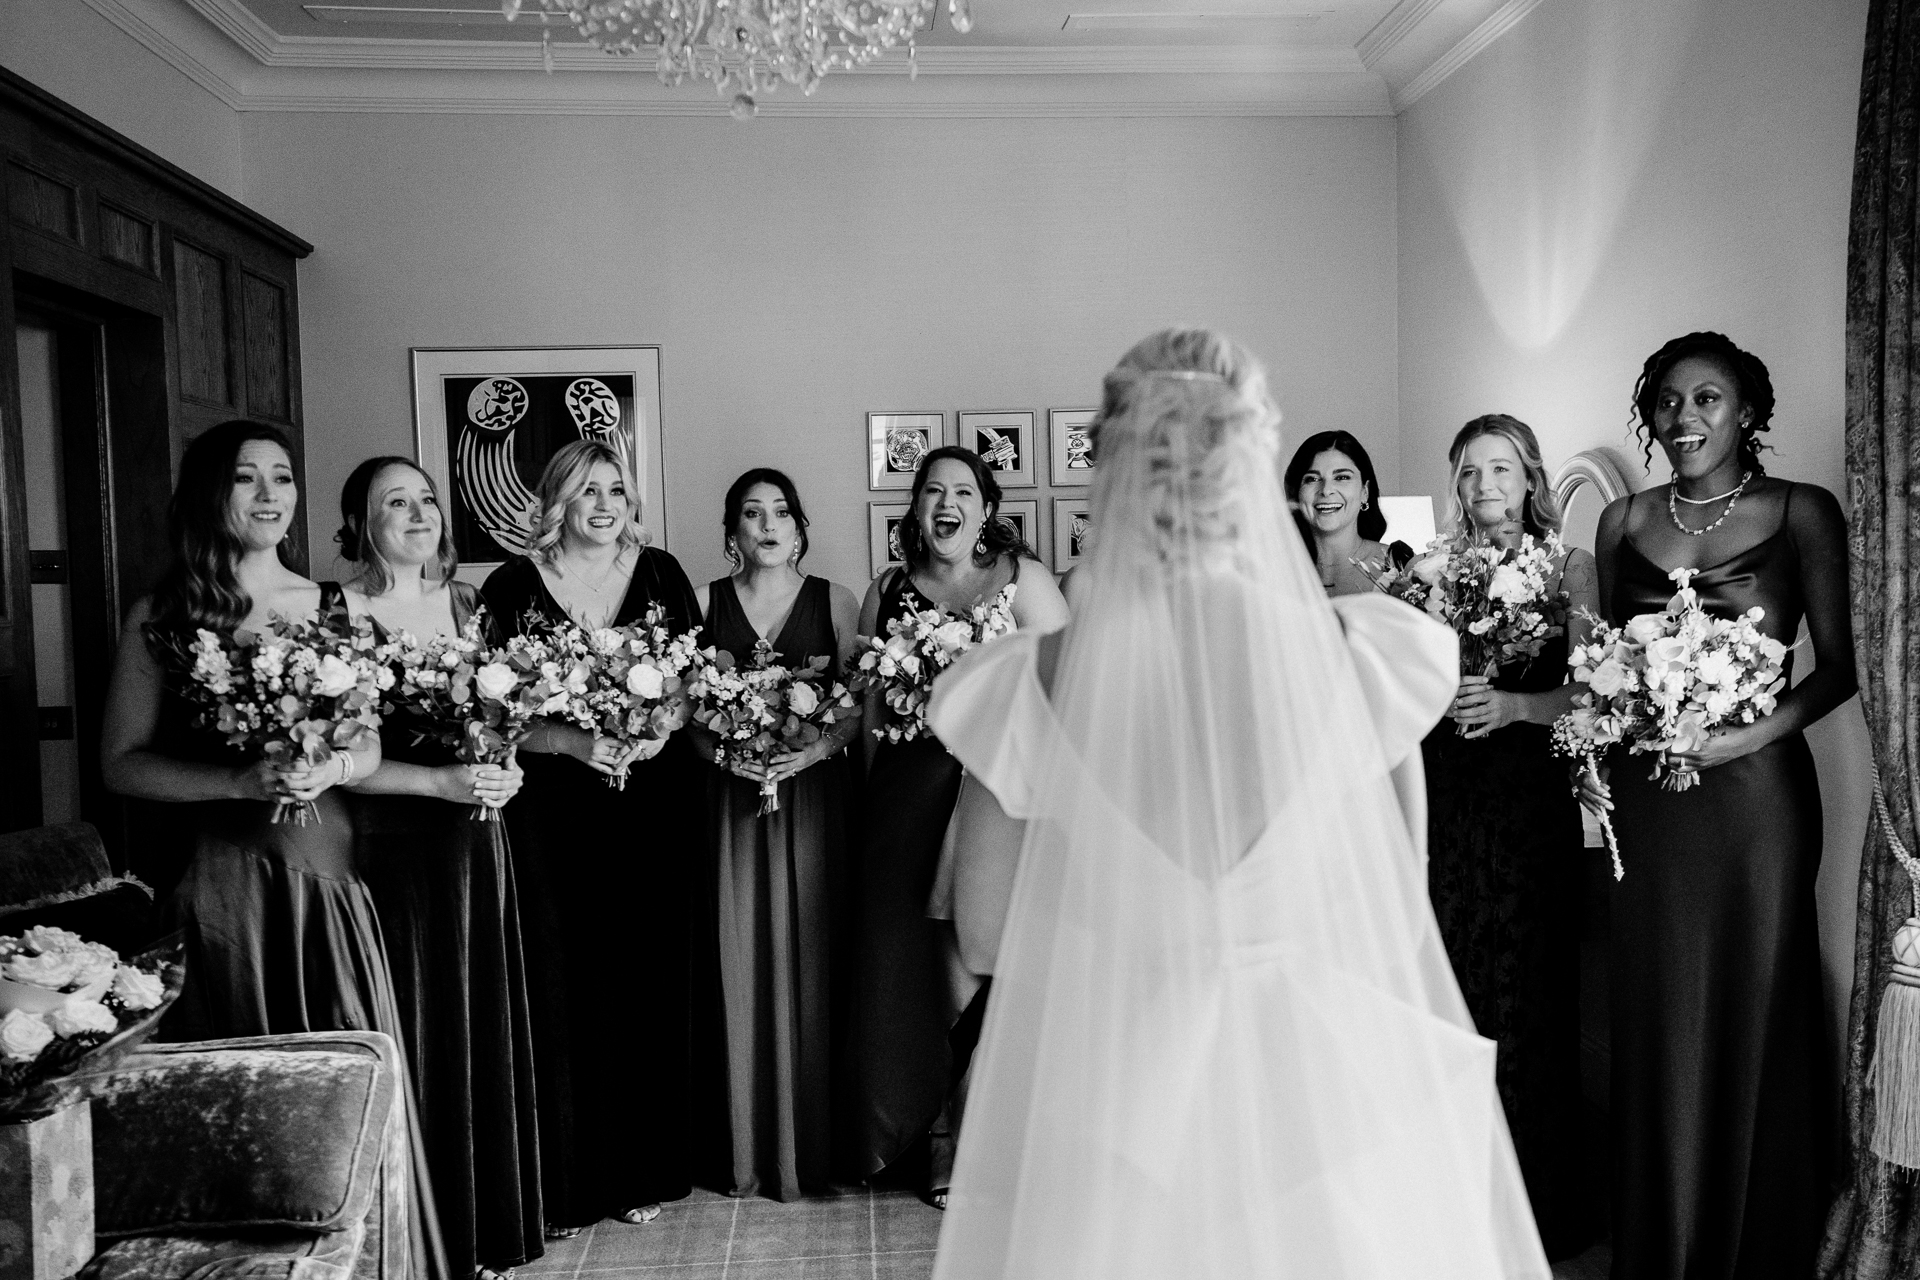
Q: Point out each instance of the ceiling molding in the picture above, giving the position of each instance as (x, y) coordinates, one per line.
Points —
(1501, 21)
(169, 51)
(816, 109)
(1392, 29)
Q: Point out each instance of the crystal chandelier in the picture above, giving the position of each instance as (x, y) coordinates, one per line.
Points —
(747, 46)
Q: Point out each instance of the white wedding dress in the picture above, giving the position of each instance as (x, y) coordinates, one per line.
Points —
(1224, 1039)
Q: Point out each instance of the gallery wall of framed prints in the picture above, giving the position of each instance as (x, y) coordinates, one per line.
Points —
(1011, 444)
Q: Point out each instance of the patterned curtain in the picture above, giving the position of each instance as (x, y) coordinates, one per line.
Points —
(1874, 1230)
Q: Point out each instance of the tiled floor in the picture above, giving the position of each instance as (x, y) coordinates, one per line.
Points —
(861, 1235)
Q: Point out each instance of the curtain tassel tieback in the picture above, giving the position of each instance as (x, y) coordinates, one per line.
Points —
(1894, 1073)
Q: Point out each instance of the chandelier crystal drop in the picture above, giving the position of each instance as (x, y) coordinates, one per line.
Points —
(748, 47)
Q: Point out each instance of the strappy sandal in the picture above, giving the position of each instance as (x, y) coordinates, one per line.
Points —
(560, 1233)
(639, 1217)
(482, 1271)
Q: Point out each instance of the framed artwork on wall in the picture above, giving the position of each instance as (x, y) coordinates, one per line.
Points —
(486, 419)
(883, 535)
(1005, 442)
(1025, 515)
(895, 444)
(1072, 521)
(1070, 446)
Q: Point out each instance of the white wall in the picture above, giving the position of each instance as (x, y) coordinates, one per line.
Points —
(68, 49)
(1614, 173)
(798, 273)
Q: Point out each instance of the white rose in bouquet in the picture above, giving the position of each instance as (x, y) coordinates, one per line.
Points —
(1608, 678)
(137, 989)
(1509, 585)
(47, 937)
(96, 964)
(79, 1017)
(646, 681)
(802, 698)
(53, 970)
(333, 677)
(1643, 629)
(23, 1035)
(494, 681)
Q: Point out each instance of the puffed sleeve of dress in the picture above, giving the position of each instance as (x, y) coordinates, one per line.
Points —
(989, 710)
(1409, 669)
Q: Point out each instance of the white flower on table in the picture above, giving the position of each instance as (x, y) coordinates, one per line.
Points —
(137, 989)
(79, 1017)
(23, 1035)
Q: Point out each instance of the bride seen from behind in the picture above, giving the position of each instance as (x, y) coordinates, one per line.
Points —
(1224, 1039)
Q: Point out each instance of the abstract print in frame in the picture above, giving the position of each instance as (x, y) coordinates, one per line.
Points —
(1004, 440)
(1024, 515)
(883, 534)
(1071, 447)
(486, 419)
(1072, 522)
(895, 444)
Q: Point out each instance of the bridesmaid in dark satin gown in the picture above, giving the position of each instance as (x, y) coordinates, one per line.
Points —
(958, 554)
(779, 879)
(1723, 1111)
(607, 877)
(281, 933)
(445, 893)
(1504, 844)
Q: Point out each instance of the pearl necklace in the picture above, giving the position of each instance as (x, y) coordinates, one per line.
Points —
(1733, 500)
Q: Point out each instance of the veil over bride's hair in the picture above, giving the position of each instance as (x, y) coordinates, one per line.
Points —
(1224, 1039)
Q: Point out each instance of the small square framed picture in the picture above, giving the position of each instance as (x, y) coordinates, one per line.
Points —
(883, 534)
(1025, 515)
(1004, 440)
(1072, 521)
(895, 444)
(1071, 446)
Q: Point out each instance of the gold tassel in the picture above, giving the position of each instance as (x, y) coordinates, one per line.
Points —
(1894, 1073)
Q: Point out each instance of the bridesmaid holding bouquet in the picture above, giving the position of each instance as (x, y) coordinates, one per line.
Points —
(1722, 1107)
(444, 889)
(780, 879)
(606, 875)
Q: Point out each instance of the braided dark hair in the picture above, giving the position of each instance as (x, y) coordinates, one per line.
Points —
(1756, 390)
(1000, 534)
(201, 588)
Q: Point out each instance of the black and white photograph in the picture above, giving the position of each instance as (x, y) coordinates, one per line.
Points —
(959, 640)
(1005, 442)
(1070, 446)
(896, 442)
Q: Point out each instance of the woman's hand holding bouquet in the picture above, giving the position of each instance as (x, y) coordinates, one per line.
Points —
(768, 717)
(917, 648)
(625, 685)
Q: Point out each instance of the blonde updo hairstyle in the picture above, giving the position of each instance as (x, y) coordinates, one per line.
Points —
(565, 479)
(1188, 427)
(1541, 513)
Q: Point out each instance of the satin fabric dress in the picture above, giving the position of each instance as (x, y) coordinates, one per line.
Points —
(281, 932)
(1504, 848)
(607, 880)
(443, 886)
(780, 888)
(1722, 1105)
(900, 1051)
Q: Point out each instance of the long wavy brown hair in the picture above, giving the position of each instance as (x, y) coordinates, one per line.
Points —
(200, 587)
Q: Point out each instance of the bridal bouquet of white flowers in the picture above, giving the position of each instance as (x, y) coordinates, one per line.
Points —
(1499, 599)
(918, 647)
(476, 699)
(627, 683)
(1665, 681)
(760, 707)
(299, 691)
(68, 1007)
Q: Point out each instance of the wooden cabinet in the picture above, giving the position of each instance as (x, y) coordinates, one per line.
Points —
(175, 308)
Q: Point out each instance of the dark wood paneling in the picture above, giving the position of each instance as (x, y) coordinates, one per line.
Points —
(43, 203)
(200, 298)
(127, 238)
(264, 304)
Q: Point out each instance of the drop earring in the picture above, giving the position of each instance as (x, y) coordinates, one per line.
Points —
(980, 543)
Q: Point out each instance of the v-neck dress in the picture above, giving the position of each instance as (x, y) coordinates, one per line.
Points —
(1722, 1107)
(443, 886)
(779, 882)
(607, 897)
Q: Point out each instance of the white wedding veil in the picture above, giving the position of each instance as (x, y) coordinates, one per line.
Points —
(1224, 1039)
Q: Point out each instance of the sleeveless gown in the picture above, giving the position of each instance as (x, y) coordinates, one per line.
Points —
(1722, 1109)
(281, 933)
(607, 898)
(444, 890)
(780, 888)
(900, 1050)
(1504, 846)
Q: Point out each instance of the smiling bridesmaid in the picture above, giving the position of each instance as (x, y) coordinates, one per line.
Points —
(1723, 1113)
